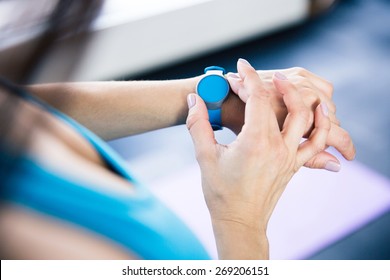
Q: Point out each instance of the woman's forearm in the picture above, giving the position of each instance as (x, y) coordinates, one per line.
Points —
(117, 109)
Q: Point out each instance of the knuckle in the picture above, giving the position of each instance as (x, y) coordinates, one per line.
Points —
(191, 120)
(318, 147)
(332, 107)
(305, 83)
(295, 79)
(309, 96)
(336, 121)
(345, 140)
(314, 163)
(329, 88)
(300, 71)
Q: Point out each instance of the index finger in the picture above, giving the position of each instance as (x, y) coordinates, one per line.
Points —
(259, 116)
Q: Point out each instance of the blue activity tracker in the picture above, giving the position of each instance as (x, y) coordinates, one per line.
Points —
(213, 88)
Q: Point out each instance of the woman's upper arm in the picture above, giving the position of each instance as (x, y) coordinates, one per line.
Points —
(26, 234)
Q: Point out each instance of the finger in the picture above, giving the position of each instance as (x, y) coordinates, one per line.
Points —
(313, 90)
(244, 69)
(312, 93)
(298, 116)
(258, 111)
(317, 140)
(235, 83)
(342, 141)
(250, 80)
(324, 160)
(325, 86)
(200, 129)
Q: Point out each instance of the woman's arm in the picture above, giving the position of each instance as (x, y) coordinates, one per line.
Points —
(117, 109)
(26, 234)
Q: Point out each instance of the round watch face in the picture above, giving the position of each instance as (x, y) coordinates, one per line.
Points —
(213, 88)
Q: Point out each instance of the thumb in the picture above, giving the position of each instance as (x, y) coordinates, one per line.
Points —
(200, 128)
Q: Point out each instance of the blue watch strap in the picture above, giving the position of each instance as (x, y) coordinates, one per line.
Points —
(215, 119)
(213, 88)
(212, 68)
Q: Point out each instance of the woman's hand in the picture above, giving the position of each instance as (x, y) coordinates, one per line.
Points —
(243, 181)
(313, 90)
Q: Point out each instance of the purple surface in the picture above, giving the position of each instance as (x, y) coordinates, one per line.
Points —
(317, 208)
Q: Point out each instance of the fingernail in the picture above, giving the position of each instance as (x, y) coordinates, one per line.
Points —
(232, 75)
(244, 61)
(333, 166)
(280, 76)
(324, 109)
(191, 100)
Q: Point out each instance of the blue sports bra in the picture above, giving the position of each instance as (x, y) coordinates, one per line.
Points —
(138, 221)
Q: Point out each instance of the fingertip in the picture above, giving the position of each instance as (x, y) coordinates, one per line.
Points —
(243, 66)
(196, 105)
(191, 100)
(197, 110)
(333, 166)
(279, 76)
(324, 109)
(242, 61)
(351, 154)
(281, 82)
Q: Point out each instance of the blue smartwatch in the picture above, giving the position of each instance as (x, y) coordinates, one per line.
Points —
(213, 88)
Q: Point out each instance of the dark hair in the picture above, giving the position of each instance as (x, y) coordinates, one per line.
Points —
(69, 17)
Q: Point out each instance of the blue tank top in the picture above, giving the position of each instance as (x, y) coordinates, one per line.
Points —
(138, 221)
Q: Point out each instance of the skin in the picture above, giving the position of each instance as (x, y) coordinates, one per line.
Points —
(243, 181)
(27, 234)
(313, 90)
(117, 109)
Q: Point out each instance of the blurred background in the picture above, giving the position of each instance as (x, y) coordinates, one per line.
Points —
(321, 215)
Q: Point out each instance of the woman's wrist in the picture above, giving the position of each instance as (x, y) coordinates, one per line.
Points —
(185, 87)
(233, 113)
(236, 240)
